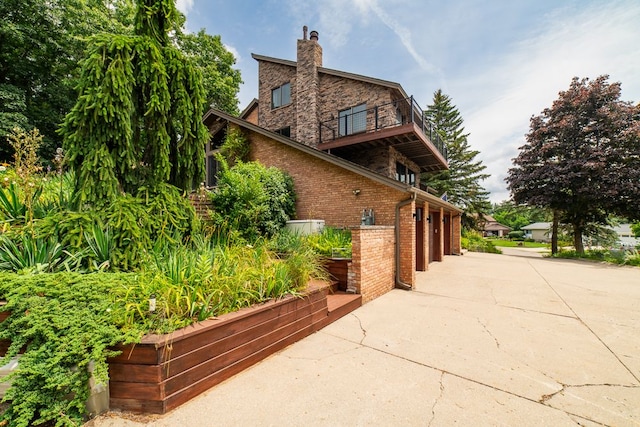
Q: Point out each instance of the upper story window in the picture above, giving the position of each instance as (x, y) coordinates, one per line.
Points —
(352, 120)
(286, 131)
(404, 174)
(281, 95)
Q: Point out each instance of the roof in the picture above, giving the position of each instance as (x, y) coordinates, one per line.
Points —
(537, 226)
(495, 226)
(435, 201)
(337, 73)
(249, 108)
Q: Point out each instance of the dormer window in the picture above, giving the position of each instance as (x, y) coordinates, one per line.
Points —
(281, 96)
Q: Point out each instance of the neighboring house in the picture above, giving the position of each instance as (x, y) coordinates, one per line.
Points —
(625, 236)
(492, 228)
(538, 231)
(355, 147)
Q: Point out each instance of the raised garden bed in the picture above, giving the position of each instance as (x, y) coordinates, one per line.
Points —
(164, 371)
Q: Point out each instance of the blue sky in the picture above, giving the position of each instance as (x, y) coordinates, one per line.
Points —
(501, 62)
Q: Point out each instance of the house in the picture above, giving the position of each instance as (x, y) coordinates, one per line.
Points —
(626, 237)
(538, 231)
(355, 147)
(492, 228)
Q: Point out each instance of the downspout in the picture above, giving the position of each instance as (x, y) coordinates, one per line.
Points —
(399, 283)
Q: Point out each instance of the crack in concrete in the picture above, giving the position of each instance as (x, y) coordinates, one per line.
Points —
(585, 323)
(364, 331)
(489, 333)
(437, 399)
(565, 387)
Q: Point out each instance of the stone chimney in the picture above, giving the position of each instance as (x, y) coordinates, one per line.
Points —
(307, 88)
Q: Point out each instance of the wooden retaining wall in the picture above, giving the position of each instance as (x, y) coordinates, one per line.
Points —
(164, 371)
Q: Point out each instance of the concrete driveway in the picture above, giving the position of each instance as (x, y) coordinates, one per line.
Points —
(484, 340)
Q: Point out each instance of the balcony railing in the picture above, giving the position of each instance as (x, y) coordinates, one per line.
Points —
(384, 116)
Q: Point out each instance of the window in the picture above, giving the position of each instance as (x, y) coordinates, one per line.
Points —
(281, 96)
(212, 171)
(404, 174)
(286, 131)
(352, 120)
(212, 165)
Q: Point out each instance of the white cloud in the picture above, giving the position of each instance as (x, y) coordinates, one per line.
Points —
(501, 99)
(184, 6)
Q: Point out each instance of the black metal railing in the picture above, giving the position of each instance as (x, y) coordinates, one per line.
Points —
(392, 114)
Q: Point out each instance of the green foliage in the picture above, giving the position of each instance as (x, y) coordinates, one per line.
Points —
(252, 199)
(235, 147)
(474, 242)
(635, 227)
(137, 121)
(134, 224)
(517, 234)
(581, 157)
(221, 81)
(30, 255)
(517, 216)
(462, 181)
(63, 322)
(331, 242)
(623, 257)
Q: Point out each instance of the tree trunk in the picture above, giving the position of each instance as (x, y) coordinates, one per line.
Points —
(577, 239)
(554, 233)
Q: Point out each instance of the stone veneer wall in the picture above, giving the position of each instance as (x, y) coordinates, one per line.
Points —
(271, 76)
(307, 84)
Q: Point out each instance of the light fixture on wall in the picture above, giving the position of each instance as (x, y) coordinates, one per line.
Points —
(429, 219)
(356, 192)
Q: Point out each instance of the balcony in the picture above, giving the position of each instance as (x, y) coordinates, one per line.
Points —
(400, 124)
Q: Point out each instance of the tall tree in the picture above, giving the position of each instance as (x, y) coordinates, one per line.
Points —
(221, 81)
(43, 41)
(582, 157)
(461, 182)
(138, 119)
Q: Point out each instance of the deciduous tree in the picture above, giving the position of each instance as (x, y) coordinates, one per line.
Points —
(582, 157)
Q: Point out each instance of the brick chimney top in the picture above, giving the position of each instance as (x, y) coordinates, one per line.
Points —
(304, 32)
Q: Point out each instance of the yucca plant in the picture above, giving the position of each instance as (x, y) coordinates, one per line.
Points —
(101, 247)
(31, 254)
(11, 207)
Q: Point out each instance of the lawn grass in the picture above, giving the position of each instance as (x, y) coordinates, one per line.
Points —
(514, 244)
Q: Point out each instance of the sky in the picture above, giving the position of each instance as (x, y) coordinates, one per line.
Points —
(500, 61)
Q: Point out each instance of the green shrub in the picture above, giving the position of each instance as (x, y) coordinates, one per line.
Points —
(252, 199)
(516, 234)
(474, 242)
(62, 321)
(331, 241)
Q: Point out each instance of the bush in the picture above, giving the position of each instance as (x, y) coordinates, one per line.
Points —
(516, 235)
(474, 242)
(252, 199)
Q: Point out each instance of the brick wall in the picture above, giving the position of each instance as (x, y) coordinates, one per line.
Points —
(325, 191)
(408, 244)
(456, 244)
(373, 262)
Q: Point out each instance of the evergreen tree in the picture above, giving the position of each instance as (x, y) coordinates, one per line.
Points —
(137, 122)
(461, 182)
